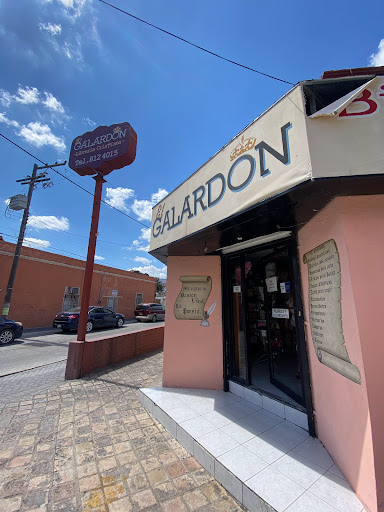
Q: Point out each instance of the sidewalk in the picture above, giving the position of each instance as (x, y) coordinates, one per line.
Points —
(90, 446)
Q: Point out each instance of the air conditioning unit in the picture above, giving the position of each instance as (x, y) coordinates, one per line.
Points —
(73, 290)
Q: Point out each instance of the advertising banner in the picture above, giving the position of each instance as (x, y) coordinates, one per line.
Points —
(270, 156)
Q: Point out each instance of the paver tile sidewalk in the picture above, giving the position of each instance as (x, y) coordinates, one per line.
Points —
(89, 445)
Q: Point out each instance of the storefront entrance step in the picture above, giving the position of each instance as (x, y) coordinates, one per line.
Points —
(275, 406)
(265, 461)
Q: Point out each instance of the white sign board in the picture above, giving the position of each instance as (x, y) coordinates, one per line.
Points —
(270, 156)
(271, 283)
(280, 313)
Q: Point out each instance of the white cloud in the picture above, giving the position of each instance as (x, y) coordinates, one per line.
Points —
(78, 29)
(52, 28)
(76, 6)
(36, 243)
(99, 258)
(31, 96)
(140, 259)
(67, 3)
(5, 98)
(48, 222)
(89, 122)
(73, 7)
(39, 135)
(8, 122)
(73, 50)
(377, 59)
(27, 95)
(146, 234)
(143, 208)
(52, 103)
(137, 246)
(116, 197)
(153, 271)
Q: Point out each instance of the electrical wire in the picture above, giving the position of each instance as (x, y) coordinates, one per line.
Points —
(13, 215)
(40, 248)
(195, 45)
(68, 234)
(69, 179)
(54, 249)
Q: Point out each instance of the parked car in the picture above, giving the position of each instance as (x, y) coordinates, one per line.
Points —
(9, 330)
(98, 317)
(149, 312)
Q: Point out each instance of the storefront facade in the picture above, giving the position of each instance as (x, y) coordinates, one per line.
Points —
(274, 252)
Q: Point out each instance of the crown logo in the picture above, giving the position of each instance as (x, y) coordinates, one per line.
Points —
(117, 129)
(243, 146)
(78, 140)
(160, 211)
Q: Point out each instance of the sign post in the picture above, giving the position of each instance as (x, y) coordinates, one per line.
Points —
(88, 273)
(96, 153)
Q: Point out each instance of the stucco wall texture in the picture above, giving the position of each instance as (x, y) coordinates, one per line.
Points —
(100, 352)
(42, 277)
(193, 354)
(349, 417)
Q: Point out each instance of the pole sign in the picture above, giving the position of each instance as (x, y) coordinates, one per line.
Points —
(104, 149)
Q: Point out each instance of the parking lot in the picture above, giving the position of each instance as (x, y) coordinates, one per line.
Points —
(46, 346)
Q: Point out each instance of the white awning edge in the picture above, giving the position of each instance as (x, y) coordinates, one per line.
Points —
(334, 109)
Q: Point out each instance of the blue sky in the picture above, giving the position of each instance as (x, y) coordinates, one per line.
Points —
(68, 66)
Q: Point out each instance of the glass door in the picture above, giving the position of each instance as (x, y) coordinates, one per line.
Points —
(282, 318)
(262, 313)
(239, 343)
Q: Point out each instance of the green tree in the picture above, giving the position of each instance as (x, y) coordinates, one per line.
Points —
(159, 286)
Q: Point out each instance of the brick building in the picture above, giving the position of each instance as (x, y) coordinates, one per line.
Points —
(48, 283)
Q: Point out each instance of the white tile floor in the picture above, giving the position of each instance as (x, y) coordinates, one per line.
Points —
(265, 461)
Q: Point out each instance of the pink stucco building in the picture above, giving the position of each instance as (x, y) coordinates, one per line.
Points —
(275, 278)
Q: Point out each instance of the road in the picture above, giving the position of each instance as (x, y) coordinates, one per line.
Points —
(43, 347)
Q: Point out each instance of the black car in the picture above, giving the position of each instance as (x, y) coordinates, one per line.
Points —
(98, 317)
(9, 330)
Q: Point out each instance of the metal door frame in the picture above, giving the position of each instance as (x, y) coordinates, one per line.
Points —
(228, 348)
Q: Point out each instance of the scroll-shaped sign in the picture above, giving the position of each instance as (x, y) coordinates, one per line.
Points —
(191, 300)
(324, 276)
(104, 149)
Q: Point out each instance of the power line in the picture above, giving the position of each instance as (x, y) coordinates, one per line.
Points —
(195, 45)
(62, 232)
(41, 248)
(69, 179)
(108, 253)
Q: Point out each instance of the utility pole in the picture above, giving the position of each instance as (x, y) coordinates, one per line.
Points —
(31, 181)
